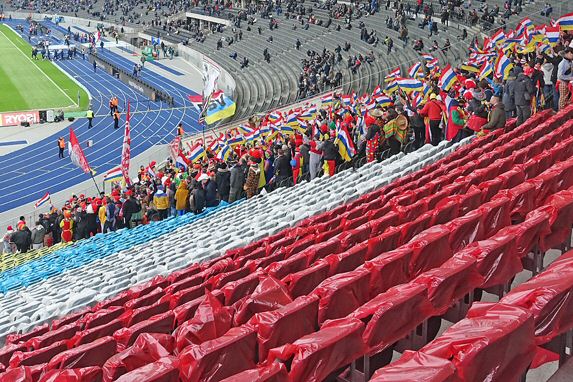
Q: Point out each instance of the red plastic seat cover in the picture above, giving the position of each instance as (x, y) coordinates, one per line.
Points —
(84, 374)
(430, 249)
(275, 372)
(164, 370)
(389, 269)
(417, 366)
(270, 294)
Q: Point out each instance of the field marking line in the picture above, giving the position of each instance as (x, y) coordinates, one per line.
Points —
(41, 71)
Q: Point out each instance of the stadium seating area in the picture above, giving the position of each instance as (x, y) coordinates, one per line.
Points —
(329, 280)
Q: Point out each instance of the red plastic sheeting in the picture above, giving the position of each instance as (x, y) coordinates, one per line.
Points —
(101, 317)
(286, 324)
(182, 296)
(164, 370)
(143, 289)
(392, 315)
(522, 200)
(348, 260)
(148, 348)
(465, 230)
(92, 354)
(379, 225)
(303, 282)
(89, 335)
(416, 366)
(528, 233)
(385, 242)
(275, 372)
(183, 273)
(48, 338)
(270, 294)
(23, 374)
(220, 358)
(293, 264)
(470, 200)
(222, 279)
(389, 269)
(450, 282)
(430, 249)
(211, 321)
(316, 355)
(560, 207)
(18, 338)
(186, 283)
(39, 356)
(236, 290)
(341, 294)
(549, 297)
(445, 212)
(161, 323)
(494, 343)
(186, 311)
(70, 318)
(9, 349)
(145, 300)
(85, 374)
(414, 227)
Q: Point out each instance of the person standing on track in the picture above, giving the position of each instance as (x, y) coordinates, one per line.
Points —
(180, 131)
(116, 119)
(61, 147)
(90, 117)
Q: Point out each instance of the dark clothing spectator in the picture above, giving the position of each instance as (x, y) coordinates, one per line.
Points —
(223, 179)
(211, 194)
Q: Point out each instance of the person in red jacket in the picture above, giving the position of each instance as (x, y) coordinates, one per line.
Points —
(434, 110)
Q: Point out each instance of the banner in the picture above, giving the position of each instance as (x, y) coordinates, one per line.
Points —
(174, 147)
(14, 119)
(210, 75)
(76, 153)
(126, 149)
(220, 107)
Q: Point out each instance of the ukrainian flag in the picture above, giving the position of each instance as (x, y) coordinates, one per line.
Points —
(220, 107)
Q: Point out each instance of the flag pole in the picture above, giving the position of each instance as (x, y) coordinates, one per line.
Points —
(95, 183)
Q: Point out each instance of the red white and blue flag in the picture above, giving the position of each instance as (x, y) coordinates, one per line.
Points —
(42, 201)
(565, 22)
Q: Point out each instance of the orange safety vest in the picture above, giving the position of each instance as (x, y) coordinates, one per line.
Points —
(61, 143)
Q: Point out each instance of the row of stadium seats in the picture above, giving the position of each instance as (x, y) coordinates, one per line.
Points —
(60, 283)
(351, 267)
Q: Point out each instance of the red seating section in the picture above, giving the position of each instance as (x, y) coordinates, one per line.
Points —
(306, 302)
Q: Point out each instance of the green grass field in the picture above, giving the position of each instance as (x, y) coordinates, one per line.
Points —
(28, 84)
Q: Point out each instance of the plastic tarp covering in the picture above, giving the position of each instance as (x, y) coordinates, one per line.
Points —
(101, 317)
(316, 355)
(220, 358)
(186, 283)
(70, 318)
(275, 372)
(385, 242)
(301, 244)
(392, 315)
(186, 311)
(84, 374)
(52, 336)
(263, 262)
(450, 282)
(494, 343)
(270, 294)
(18, 338)
(470, 200)
(23, 374)
(146, 288)
(303, 282)
(89, 335)
(285, 267)
(184, 273)
(430, 249)
(465, 230)
(416, 366)
(379, 225)
(528, 233)
(236, 290)
(222, 279)
(341, 294)
(445, 212)
(549, 297)
(148, 348)
(211, 321)
(560, 207)
(286, 324)
(522, 199)
(411, 229)
(118, 300)
(496, 259)
(389, 269)
(164, 370)
(92, 354)
(145, 300)
(348, 260)
(39, 356)
(9, 349)
(161, 323)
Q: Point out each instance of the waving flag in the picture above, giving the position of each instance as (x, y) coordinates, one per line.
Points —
(486, 70)
(383, 100)
(238, 139)
(224, 153)
(327, 99)
(345, 145)
(183, 161)
(565, 22)
(196, 101)
(432, 64)
(76, 153)
(377, 90)
(219, 107)
(113, 175)
(552, 34)
(126, 148)
(503, 66)
(391, 87)
(392, 75)
(414, 69)
(254, 135)
(409, 84)
(498, 36)
(447, 79)
(346, 100)
(524, 25)
(42, 201)
(197, 152)
(428, 57)
(245, 129)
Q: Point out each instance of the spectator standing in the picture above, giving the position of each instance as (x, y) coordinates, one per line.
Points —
(237, 180)
(497, 117)
(161, 202)
(211, 191)
(61, 147)
(565, 76)
(523, 92)
(7, 241)
(22, 238)
(181, 198)
(434, 110)
(37, 237)
(223, 180)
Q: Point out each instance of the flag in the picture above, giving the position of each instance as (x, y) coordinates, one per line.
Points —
(391, 87)
(377, 90)
(432, 64)
(182, 160)
(126, 148)
(76, 153)
(224, 153)
(345, 144)
(150, 172)
(197, 152)
(245, 129)
(565, 22)
(309, 113)
(428, 57)
(524, 25)
(486, 70)
(196, 101)
(498, 36)
(552, 34)
(113, 175)
(174, 147)
(238, 139)
(470, 67)
(503, 66)
(254, 135)
(392, 75)
(42, 201)
(219, 107)
(327, 99)
(383, 100)
(409, 84)
(447, 79)
(414, 69)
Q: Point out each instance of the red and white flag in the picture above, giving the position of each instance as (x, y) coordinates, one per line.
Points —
(174, 148)
(126, 149)
(76, 153)
(43, 200)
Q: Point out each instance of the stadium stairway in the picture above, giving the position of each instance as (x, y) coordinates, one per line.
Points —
(115, 259)
(480, 208)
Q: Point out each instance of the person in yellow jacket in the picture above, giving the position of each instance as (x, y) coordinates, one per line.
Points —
(90, 117)
(67, 226)
(181, 198)
(101, 213)
(161, 202)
